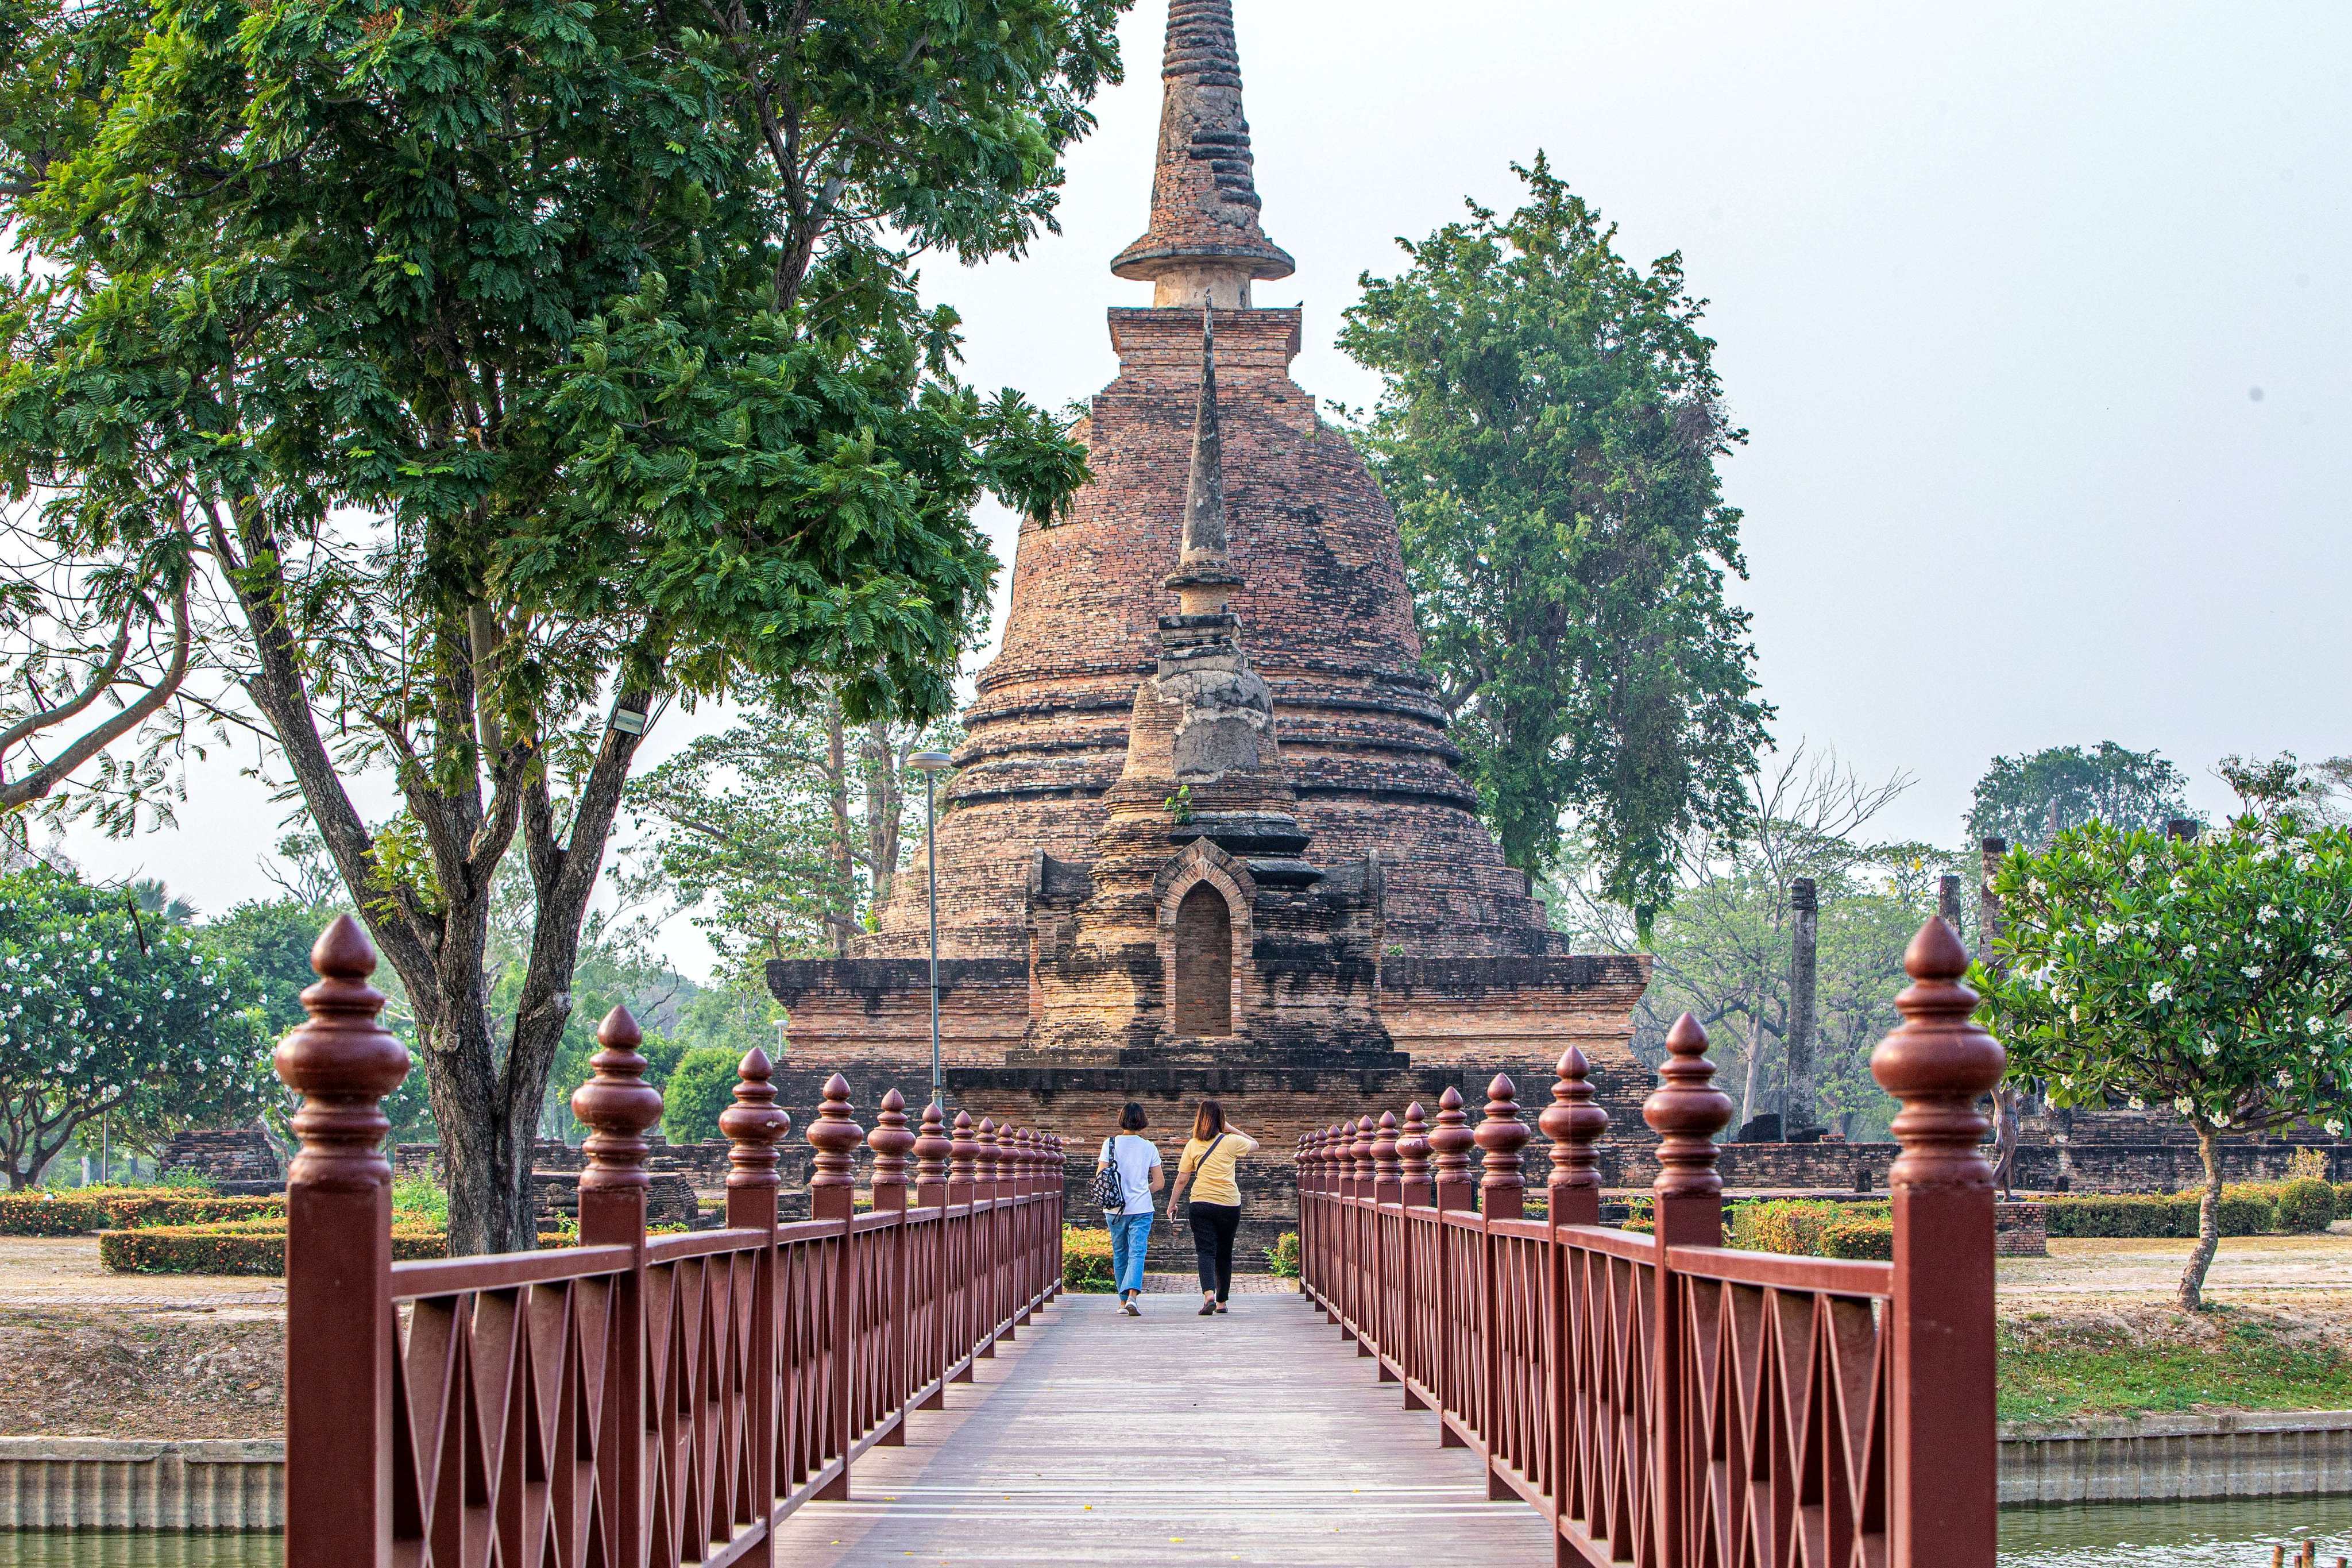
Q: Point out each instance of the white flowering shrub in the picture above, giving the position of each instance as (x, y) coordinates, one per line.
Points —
(2210, 977)
(100, 1011)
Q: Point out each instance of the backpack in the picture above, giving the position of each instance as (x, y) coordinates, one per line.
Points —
(1110, 1191)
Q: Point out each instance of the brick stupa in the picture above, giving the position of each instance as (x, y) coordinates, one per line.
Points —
(1299, 923)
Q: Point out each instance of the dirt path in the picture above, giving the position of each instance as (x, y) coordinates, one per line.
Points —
(2247, 1266)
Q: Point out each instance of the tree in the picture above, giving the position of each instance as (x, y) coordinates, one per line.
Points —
(1721, 949)
(510, 374)
(2211, 977)
(1547, 427)
(700, 1086)
(789, 829)
(100, 1016)
(2020, 798)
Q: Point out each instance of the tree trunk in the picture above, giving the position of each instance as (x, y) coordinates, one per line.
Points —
(1755, 1074)
(841, 917)
(2209, 1222)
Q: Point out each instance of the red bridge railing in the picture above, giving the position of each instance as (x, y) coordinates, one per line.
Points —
(1665, 1401)
(635, 1400)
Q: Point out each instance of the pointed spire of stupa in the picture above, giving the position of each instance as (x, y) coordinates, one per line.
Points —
(1204, 494)
(1204, 245)
(1205, 575)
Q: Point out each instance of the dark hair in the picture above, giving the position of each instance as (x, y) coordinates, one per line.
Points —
(1210, 1122)
(1132, 1119)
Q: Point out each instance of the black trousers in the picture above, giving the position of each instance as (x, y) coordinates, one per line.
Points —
(1213, 1226)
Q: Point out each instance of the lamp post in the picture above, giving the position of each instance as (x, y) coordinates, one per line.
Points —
(931, 765)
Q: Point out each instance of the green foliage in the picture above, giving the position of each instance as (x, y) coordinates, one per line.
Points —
(2228, 1358)
(788, 831)
(1282, 1257)
(125, 1208)
(2129, 791)
(2211, 977)
(701, 1086)
(1811, 1228)
(102, 1014)
(495, 365)
(248, 1247)
(1549, 426)
(2306, 1208)
(2173, 1216)
(1721, 950)
(1085, 1260)
(421, 1200)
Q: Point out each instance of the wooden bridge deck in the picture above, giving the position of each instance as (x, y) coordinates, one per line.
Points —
(1259, 1436)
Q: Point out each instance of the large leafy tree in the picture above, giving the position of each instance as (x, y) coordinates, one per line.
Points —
(2028, 799)
(103, 1013)
(507, 374)
(1721, 950)
(2209, 977)
(787, 831)
(1549, 428)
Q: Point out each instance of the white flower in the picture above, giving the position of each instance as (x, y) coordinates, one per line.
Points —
(2316, 1025)
(2183, 1104)
(2210, 1048)
(2267, 913)
(2179, 884)
(2336, 1128)
(2159, 992)
(2322, 950)
(2038, 886)
(2107, 934)
(2286, 1079)
(2221, 1118)
(2188, 949)
(2136, 1103)
(2252, 972)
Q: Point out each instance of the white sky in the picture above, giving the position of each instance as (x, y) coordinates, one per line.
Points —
(1996, 287)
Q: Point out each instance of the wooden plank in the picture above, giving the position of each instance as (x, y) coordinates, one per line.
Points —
(1174, 1438)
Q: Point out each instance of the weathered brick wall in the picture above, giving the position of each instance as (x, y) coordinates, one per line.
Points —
(229, 1155)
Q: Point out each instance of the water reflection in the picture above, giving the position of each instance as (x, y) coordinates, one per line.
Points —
(137, 1549)
(2238, 1533)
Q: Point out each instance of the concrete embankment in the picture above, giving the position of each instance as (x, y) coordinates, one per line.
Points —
(91, 1483)
(2152, 1458)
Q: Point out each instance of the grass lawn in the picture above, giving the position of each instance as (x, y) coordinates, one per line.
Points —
(2070, 1360)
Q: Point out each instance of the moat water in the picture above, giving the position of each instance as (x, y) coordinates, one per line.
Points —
(2236, 1534)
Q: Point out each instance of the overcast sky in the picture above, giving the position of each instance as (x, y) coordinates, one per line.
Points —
(2035, 313)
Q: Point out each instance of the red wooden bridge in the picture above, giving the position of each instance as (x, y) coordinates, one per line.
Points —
(902, 1379)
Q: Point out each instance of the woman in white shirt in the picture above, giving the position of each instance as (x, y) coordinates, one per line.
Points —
(1139, 1176)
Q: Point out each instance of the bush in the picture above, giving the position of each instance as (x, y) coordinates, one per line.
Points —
(1862, 1236)
(46, 1214)
(1804, 1227)
(417, 1198)
(2343, 1200)
(255, 1246)
(2306, 1207)
(2170, 1217)
(1085, 1260)
(124, 1208)
(1282, 1257)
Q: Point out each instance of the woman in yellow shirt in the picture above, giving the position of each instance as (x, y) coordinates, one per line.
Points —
(1208, 1168)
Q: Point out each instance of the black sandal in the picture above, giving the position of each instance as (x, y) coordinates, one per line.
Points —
(1208, 1308)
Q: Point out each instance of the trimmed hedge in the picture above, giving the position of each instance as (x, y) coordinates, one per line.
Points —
(1085, 1260)
(2144, 1215)
(256, 1246)
(2306, 1207)
(1813, 1228)
(77, 1213)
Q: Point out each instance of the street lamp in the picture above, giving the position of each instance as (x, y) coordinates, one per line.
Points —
(931, 765)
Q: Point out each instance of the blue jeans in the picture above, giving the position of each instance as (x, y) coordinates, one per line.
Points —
(1130, 1235)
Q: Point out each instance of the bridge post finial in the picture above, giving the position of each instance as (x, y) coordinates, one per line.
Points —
(1503, 1184)
(1412, 1157)
(891, 1143)
(1686, 1111)
(1360, 1156)
(753, 1126)
(1941, 1191)
(964, 1161)
(1449, 1146)
(931, 1148)
(989, 1165)
(1574, 1122)
(833, 1189)
(1387, 1173)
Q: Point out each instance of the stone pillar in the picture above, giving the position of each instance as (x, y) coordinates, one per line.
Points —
(1805, 926)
